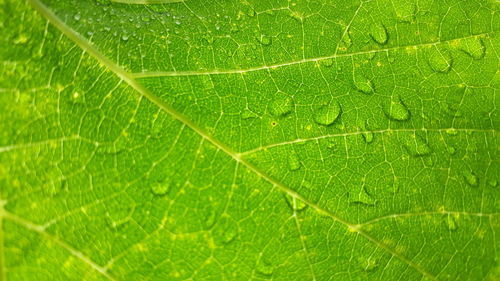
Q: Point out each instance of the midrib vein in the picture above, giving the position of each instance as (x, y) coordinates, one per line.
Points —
(85, 45)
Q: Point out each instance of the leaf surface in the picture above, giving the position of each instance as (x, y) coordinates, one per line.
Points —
(249, 140)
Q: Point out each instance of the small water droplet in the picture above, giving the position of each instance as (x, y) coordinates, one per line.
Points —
(378, 32)
(293, 162)
(248, 114)
(264, 268)
(493, 182)
(471, 179)
(264, 40)
(77, 17)
(417, 146)
(359, 195)
(452, 132)
(473, 47)
(440, 60)
(294, 203)
(161, 187)
(451, 150)
(21, 39)
(281, 106)
(368, 264)
(363, 84)
(226, 230)
(210, 218)
(367, 134)
(451, 222)
(327, 114)
(124, 37)
(326, 62)
(397, 110)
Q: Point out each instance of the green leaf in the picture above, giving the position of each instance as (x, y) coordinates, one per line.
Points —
(249, 140)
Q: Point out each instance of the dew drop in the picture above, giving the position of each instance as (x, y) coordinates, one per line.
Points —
(440, 60)
(248, 114)
(124, 37)
(293, 162)
(417, 146)
(367, 134)
(451, 222)
(294, 203)
(327, 114)
(451, 150)
(452, 132)
(360, 196)
(378, 32)
(397, 110)
(473, 47)
(264, 268)
(327, 62)
(281, 106)
(471, 179)
(363, 84)
(370, 264)
(160, 188)
(264, 40)
(226, 231)
(209, 218)
(21, 39)
(405, 11)
(77, 17)
(493, 183)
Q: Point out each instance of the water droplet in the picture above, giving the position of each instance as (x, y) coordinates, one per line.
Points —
(326, 62)
(452, 132)
(124, 37)
(369, 264)
(77, 17)
(451, 222)
(264, 40)
(417, 146)
(226, 230)
(397, 110)
(161, 187)
(327, 114)
(451, 150)
(264, 268)
(471, 179)
(293, 162)
(493, 183)
(359, 195)
(294, 203)
(367, 134)
(440, 60)
(248, 114)
(473, 47)
(21, 39)
(281, 106)
(363, 84)
(378, 32)
(210, 218)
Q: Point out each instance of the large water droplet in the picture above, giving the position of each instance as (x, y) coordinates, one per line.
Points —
(378, 32)
(363, 84)
(327, 114)
(471, 179)
(451, 222)
(397, 110)
(359, 195)
(293, 161)
(281, 106)
(440, 60)
(474, 47)
(417, 146)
